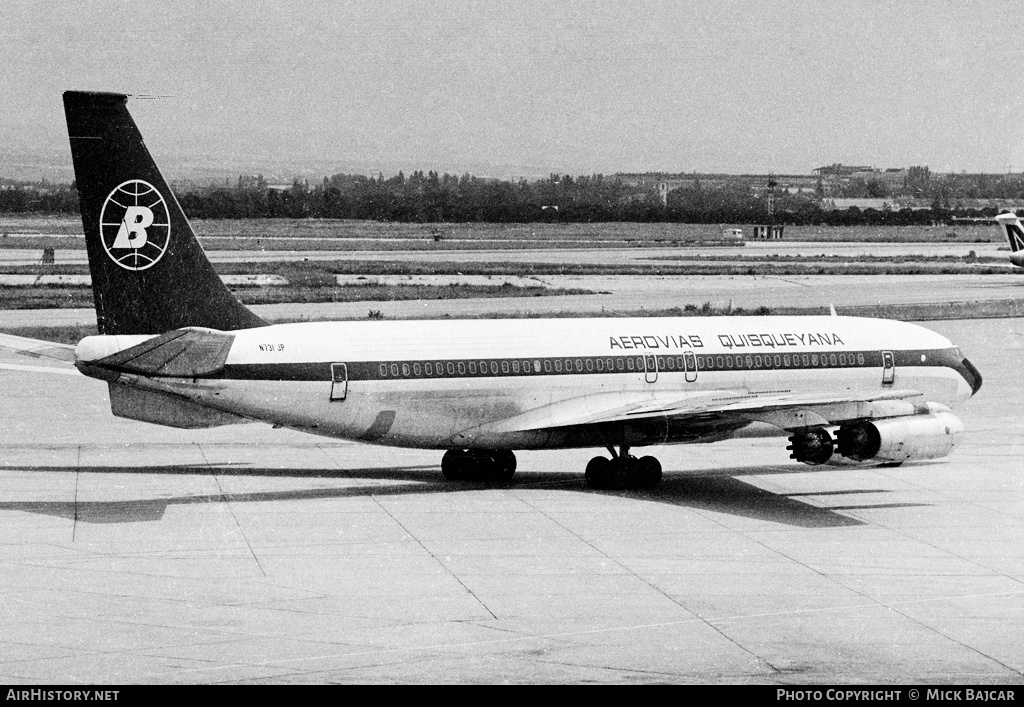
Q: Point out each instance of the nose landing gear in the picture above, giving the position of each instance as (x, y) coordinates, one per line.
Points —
(623, 471)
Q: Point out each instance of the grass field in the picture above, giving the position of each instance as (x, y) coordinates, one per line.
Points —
(290, 234)
(320, 273)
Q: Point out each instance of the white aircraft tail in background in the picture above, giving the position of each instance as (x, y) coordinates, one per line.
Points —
(1010, 223)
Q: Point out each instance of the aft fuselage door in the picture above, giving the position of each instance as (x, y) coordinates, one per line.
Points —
(888, 368)
(650, 368)
(339, 381)
(690, 365)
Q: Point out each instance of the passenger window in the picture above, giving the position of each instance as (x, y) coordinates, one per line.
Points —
(558, 365)
(405, 369)
(619, 364)
(383, 370)
(629, 364)
(394, 370)
(842, 359)
(832, 359)
(494, 367)
(515, 366)
(504, 366)
(416, 369)
(536, 365)
(547, 366)
(807, 360)
(785, 360)
(719, 362)
(451, 368)
(757, 361)
(590, 365)
(600, 365)
(462, 368)
(661, 363)
(472, 367)
(749, 362)
(860, 359)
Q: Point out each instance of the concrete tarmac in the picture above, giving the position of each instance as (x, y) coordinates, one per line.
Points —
(132, 553)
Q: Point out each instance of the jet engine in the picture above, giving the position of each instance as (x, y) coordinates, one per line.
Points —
(896, 439)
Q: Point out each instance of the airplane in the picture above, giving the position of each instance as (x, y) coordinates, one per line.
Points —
(1015, 235)
(177, 348)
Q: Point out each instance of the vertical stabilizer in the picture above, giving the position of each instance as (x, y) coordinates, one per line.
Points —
(149, 273)
(1010, 224)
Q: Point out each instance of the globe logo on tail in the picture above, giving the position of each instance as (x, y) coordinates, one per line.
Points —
(135, 225)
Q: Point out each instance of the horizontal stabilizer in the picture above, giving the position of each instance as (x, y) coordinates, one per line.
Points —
(37, 348)
(183, 353)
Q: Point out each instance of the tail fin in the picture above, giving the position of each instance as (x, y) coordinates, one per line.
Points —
(1010, 223)
(149, 273)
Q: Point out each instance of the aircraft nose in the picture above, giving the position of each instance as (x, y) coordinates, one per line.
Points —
(971, 375)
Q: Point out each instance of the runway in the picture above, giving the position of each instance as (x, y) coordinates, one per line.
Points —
(139, 554)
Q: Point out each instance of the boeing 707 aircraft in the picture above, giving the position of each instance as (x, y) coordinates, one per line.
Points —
(177, 348)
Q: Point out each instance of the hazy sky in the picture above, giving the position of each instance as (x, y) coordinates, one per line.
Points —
(532, 87)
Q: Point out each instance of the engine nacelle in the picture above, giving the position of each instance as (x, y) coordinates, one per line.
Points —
(813, 446)
(897, 439)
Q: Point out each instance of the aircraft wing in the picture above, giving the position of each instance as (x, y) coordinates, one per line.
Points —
(784, 410)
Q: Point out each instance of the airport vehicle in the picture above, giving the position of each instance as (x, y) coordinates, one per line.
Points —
(177, 348)
(1010, 224)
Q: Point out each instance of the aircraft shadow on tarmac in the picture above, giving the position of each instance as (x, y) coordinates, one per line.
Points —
(717, 490)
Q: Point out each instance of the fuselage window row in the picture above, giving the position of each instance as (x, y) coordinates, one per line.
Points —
(619, 364)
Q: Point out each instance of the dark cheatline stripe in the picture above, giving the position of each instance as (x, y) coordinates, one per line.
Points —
(590, 365)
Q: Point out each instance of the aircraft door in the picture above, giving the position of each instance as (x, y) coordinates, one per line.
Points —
(339, 381)
(888, 368)
(650, 368)
(690, 366)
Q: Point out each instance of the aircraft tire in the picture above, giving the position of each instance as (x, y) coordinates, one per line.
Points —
(454, 465)
(597, 475)
(622, 472)
(648, 472)
(503, 464)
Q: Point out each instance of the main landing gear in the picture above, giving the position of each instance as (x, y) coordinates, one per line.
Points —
(478, 464)
(623, 471)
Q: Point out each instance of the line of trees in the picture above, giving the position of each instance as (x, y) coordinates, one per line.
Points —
(432, 197)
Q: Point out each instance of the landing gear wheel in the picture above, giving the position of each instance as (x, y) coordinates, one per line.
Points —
(454, 465)
(478, 465)
(503, 465)
(648, 472)
(623, 472)
(622, 469)
(597, 475)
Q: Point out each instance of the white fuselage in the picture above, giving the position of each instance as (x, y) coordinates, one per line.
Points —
(522, 384)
